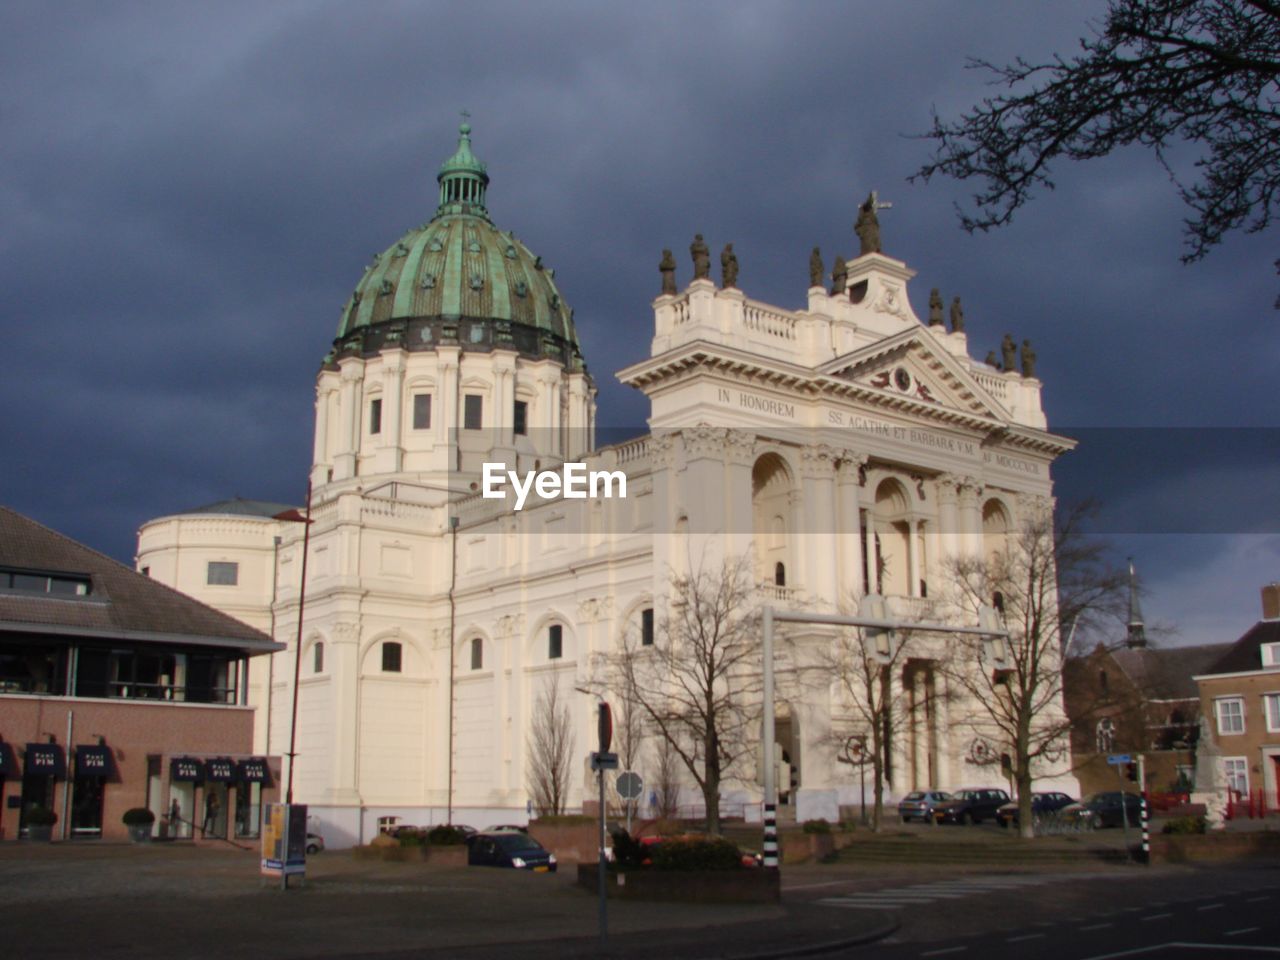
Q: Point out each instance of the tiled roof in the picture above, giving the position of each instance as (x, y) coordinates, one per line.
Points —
(1164, 673)
(121, 602)
(1245, 654)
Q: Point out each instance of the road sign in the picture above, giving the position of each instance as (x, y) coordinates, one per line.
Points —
(1119, 759)
(604, 761)
(629, 786)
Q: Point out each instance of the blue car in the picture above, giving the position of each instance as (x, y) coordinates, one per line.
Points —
(516, 850)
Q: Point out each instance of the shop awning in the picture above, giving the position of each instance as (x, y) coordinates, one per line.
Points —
(219, 768)
(254, 770)
(45, 758)
(8, 762)
(185, 770)
(93, 760)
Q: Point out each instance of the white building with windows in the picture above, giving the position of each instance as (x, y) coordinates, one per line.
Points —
(846, 447)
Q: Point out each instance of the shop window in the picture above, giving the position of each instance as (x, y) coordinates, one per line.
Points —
(472, 411)
(520, 418)
(646, 627)
(375, 415)
(391, 657)
(222, 573)
(555, 642)
(477, 653)
(422, 411)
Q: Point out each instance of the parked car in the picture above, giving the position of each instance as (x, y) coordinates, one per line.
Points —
(920, 804)
(971, 805)
(1042, 805)
(512, 849)
(315, 843)
(1104, 810)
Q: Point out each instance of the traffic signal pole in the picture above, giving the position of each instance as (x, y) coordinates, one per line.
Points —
(1146, 810)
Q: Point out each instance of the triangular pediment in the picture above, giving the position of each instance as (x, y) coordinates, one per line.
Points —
(913, 365)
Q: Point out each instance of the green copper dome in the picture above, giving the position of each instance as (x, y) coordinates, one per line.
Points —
(458, 279)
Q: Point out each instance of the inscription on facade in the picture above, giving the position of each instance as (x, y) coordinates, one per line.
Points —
(1013, 463)
(755, 402)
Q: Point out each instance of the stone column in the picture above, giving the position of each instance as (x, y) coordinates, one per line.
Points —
(322, 456)
(970, 517)
(349, 414)
(817, 471)
(873, 571)
(947, 536)
(390, 454)
(849, 527)
(448, 417)
(913, 557)
(740, 454)
(345, 670)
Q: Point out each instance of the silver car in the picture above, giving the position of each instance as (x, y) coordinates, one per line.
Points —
(919, 805)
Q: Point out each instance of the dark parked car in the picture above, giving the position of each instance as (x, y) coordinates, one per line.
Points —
(1042, 804)
(920, 804)
(971, 806)
(514, 849)
(1105, 810)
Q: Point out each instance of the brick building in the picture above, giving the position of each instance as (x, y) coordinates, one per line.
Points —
(117, 692)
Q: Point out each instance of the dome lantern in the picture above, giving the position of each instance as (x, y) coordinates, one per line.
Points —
(463, 179)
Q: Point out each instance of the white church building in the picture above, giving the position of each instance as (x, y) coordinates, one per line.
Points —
(846, 447)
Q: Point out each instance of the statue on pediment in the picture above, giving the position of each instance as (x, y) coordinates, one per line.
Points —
(867, 227)
(957, 316)
(816, 269)
(1028, 360)
(701, 255)
(728, 267)
(991, 360)
(935, 308)
(667, 267)
(1008, 353)
(839, 277)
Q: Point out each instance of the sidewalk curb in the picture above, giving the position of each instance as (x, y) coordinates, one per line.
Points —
(887, 927)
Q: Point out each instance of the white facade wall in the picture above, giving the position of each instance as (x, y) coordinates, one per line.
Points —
(814, 398)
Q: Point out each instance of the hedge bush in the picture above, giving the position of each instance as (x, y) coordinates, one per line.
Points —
(1184, 825)
(709, 853)
(138, 817)
(566, 820)
(816, 826)
(445, 835)
(411, 838)
(628, 852)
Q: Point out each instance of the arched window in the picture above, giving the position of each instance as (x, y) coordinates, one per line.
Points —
(1106, 736)
(477, 653)
(555, 642)
(317, 657)
(1103, 684)
(646, 627)
(997, 601)
(780, 574)
(391, 657)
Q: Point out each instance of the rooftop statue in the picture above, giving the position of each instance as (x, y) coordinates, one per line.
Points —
(957, 316)
(867, 226)
(991, 360)
(839, 277)
(1008, 353)
(816, 269)
(668, 269)
(701, 254)
(728, 267)
(1028, 359)
(935, 308)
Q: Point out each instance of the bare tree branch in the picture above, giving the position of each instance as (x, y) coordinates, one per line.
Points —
(550, 747)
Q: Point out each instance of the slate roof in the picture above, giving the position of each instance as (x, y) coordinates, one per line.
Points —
(121, 604)
(240, 507)
(1164, 673)
(1244, 655)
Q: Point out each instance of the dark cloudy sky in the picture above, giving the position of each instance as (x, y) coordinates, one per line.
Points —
(188, 193)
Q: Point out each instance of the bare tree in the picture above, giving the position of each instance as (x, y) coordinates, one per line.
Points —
(864, 665)
(1048, 576)
(628, 736)
(550, 745)
(1155, 73)
(666, 780)
(699, 684)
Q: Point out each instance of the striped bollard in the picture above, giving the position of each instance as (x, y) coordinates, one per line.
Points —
(1146, 829)
(771, 835)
